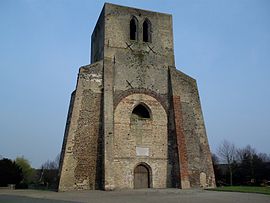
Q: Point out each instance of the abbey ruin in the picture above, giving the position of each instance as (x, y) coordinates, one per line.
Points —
(134, 120)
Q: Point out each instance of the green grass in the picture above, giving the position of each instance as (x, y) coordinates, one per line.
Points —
(246, 189)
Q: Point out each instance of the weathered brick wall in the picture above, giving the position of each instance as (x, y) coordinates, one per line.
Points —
(181, 143)
(67, 128)
(197, 147)
(138, 64)
(83, 133)
(97, 40)
(117, 39)
(86, 139)
(133, 65)
(130, 133)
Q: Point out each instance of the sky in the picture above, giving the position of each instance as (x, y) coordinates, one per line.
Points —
(223, 44)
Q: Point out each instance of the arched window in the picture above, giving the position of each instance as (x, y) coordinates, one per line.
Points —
(147, 31)
(133, 26)
(141, 112)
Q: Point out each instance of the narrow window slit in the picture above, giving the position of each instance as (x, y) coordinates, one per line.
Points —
(133, 29)
(147, 35)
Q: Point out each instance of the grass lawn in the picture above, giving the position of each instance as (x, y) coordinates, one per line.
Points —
(247, 189)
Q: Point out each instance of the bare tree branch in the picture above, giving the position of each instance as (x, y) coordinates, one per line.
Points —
(227, 154)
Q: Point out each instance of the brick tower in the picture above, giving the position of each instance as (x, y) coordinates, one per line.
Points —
(134, 120)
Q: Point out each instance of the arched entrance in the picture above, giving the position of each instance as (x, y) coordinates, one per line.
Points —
(141, 176)
(140, 125)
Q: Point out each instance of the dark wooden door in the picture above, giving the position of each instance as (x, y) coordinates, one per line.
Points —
(141, 177)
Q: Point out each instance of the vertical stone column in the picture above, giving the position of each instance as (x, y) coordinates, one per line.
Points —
(181, 143)
(108, 80)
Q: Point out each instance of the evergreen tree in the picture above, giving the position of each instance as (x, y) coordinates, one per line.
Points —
(10, 172)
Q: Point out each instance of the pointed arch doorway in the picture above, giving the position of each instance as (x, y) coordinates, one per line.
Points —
(142, 176)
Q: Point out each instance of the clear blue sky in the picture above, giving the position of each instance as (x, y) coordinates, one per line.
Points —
(223, 44)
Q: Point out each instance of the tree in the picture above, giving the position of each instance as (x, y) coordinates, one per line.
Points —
(265, 158)
(26, 169)
(227, 154)
(49, 172)
(10, 172)
(217, 170)
(252, 166)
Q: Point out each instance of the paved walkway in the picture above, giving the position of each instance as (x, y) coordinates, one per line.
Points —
(131, 196)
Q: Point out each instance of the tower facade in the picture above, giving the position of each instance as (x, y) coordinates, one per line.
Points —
(134, 120)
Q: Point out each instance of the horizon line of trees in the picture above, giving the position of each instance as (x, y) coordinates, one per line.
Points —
(240, 166)
(19, 172)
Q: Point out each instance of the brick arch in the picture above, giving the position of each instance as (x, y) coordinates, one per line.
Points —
(145, 139)
(125, 100)
(161, 98)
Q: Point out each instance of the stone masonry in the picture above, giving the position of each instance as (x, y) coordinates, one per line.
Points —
(134, 120)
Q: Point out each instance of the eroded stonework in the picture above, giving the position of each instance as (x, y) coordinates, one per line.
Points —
(134, 120)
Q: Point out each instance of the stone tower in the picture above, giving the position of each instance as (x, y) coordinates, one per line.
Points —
(134, 120)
